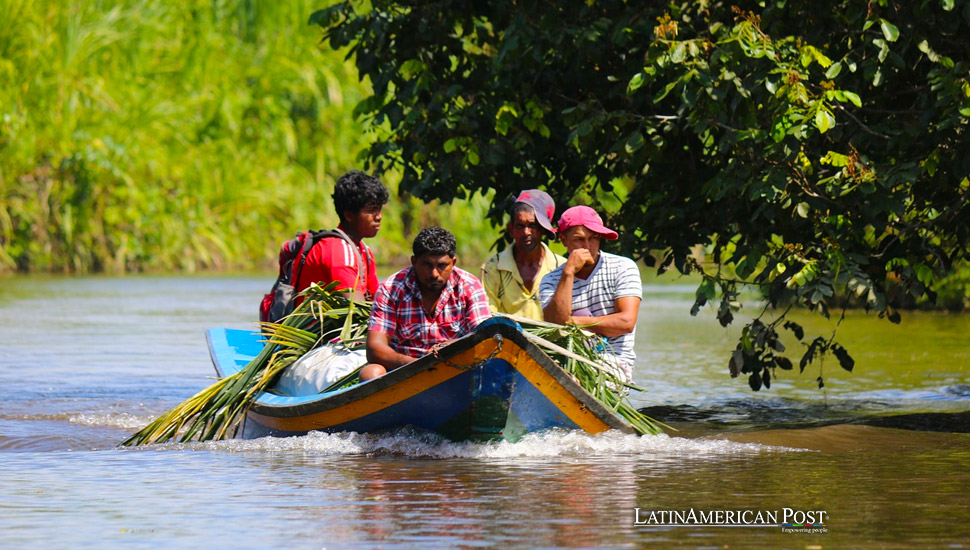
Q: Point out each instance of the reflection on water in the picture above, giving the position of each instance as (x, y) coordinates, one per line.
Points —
(86, 361)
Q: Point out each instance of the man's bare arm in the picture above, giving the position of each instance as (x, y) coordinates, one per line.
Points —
(560, 306)
(620, 322)
(379, 351)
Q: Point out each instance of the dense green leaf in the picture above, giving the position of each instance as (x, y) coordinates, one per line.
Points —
(795, 328)
(833, 70)
(853, 98)
(671, 86)
(754, 380)
(635, 83)
(845, 360)
(888, 30)
(824, 120)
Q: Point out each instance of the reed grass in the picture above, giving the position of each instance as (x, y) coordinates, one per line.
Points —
(146, 135)
(580, 353)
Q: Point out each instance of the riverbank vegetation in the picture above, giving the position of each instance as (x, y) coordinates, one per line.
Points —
(808, 149)
(144, 135)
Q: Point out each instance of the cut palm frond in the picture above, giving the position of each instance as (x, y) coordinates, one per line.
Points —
(215, 412)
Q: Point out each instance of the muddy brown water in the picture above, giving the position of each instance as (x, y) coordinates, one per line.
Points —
(883, 451)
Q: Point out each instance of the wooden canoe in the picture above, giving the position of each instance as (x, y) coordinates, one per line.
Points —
(489, 385)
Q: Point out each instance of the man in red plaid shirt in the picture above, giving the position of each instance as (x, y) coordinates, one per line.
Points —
(425, 305)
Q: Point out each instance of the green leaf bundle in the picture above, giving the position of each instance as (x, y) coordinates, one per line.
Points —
(215, 412)
(578, 352)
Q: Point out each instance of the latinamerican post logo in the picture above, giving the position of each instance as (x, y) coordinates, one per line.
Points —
(789, 520)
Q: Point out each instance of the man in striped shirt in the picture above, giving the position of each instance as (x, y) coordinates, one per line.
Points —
(595, 288)
(426, 305)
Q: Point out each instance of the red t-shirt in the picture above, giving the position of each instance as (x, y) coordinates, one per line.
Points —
(333, 259)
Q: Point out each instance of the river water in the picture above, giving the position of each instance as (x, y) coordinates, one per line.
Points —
(881, 456)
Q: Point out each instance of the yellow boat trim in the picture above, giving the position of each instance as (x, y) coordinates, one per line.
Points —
(382, 399)
(573, 408)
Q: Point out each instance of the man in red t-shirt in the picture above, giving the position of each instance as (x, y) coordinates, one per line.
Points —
(358, 199)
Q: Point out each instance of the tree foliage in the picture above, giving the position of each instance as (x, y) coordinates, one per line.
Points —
(811, 148)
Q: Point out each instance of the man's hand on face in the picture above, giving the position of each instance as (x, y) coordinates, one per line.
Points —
(577, 260)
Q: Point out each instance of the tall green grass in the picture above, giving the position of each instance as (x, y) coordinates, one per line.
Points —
(146, 135)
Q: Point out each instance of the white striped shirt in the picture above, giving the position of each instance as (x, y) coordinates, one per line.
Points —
(613, 277)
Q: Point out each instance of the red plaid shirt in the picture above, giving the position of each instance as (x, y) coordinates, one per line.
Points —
(397, 311)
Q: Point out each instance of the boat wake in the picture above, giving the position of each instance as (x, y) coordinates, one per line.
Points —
(548, 444)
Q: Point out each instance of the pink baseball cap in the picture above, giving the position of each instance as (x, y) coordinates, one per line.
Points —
(588, 218)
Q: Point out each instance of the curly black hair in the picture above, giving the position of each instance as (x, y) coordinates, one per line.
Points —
(356, 190)
(435, 241)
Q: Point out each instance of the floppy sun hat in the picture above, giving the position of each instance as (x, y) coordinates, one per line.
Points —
(587, 217)
(542, 203)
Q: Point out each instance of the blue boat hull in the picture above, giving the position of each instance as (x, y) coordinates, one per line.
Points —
(492, 384)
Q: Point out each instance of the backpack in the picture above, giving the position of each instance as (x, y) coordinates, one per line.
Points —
(280, 301)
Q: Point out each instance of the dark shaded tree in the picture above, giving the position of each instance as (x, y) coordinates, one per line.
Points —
(811, 148)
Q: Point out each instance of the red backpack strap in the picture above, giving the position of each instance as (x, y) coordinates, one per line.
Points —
(361, 266)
